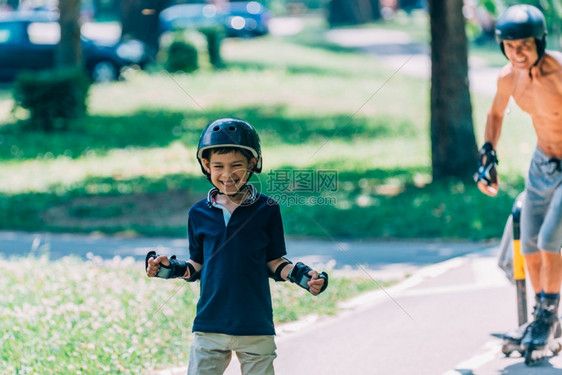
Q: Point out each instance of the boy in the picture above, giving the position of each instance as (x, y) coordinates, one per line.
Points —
(236, 243)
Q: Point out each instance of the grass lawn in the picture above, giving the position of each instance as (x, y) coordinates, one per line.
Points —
(130, 166)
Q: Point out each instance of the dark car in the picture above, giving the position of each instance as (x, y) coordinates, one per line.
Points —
(240, 18)
(28, 41)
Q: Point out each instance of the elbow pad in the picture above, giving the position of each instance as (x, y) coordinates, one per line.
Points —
(299, 275)
(277, 274)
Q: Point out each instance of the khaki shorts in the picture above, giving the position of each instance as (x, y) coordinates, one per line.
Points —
(541, 214)
(211, 354)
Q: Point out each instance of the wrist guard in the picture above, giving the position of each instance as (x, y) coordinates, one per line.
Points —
(177, 268)
(277, 274)
(487, 170)
(299, 275)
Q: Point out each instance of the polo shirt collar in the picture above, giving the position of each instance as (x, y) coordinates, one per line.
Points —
(250, 199)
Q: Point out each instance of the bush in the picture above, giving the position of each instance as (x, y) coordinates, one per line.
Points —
(52, 97)
(183, 57)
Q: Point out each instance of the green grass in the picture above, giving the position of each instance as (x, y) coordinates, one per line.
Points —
(95, 316)
(130, 165)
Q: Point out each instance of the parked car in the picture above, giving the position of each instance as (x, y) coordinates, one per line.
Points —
(240, 19)
(28, 41)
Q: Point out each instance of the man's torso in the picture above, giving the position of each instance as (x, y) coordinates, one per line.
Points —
(540, 95)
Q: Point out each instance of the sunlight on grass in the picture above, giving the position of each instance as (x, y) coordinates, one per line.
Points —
(178, 159)
(118, 164)
(230, 89)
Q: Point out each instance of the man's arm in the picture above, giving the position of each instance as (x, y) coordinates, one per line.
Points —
(487, 179)
(494, 120)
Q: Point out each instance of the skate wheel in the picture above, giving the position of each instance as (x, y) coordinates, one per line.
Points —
(533, 357)
(506, 350)
(556, 347)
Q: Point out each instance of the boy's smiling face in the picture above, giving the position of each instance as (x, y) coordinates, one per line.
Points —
(229, 172)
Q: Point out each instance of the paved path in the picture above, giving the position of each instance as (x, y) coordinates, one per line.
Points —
(398, 51)
(380, 259)
(446, 319)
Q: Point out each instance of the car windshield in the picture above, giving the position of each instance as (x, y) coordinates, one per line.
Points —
(44, 32)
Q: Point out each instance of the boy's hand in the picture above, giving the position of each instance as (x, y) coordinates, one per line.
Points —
(154, 265)
(315, 284)
(308, 279)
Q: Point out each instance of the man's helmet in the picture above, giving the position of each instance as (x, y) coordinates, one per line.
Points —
(520, 22)
(230, 132)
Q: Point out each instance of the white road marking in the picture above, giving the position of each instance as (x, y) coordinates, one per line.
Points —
(377, 296)
(487, 354)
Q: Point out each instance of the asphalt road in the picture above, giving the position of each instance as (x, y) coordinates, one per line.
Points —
(444, 320)
(381, 259)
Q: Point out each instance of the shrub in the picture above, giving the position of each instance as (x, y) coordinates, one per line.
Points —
(52, 97)
(182, 56)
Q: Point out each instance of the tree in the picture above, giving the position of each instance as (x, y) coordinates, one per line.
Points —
(69, 51)
(13, 4)
(139, 20)
(453, 145)
(353, 12)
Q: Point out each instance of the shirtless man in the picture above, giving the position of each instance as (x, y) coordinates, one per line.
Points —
(533, 78)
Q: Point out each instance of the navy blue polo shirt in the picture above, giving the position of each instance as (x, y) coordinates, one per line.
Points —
(235, 298)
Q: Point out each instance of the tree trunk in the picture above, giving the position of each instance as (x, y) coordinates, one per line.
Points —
(139, 20)
(69, 51)
(453, 144)
(351, 12)
(13, 4)
(106, 8)
(375, 10)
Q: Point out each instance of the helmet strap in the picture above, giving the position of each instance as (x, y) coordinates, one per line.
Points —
(243, 187)
(235, 194)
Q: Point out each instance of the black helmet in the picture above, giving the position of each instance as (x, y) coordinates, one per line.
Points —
(520, 22)
(230, 132)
